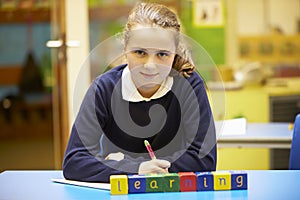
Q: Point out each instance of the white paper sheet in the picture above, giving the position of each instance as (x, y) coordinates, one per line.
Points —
(232, 127)
(103, 186)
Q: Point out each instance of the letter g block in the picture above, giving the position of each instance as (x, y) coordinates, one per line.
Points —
(239, 180)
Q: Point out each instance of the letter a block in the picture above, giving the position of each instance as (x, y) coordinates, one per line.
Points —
(239, 180)
(222, 180)
(171, 182)
(154, 183)
(136, 184)
(118, 184)
(188, 181)
(205, 181)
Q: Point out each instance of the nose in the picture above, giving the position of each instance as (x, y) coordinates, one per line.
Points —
(150, 62)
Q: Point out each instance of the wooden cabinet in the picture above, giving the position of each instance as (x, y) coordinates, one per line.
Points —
(25, 15)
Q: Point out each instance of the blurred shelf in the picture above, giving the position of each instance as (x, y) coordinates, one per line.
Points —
(101, 13)
(108, 13)
(24, 15)
(117, 11)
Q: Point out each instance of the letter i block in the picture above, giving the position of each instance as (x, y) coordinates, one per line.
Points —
(136, 184)
(239, 180)
(171, 182)
(205, 181)
(118, 184)
(154, 183)
(222, 180)
(188, 181)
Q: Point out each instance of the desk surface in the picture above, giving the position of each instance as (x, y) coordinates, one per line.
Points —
(23, 185)
(262, 135)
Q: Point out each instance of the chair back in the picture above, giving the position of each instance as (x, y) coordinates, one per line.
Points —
(295, 148)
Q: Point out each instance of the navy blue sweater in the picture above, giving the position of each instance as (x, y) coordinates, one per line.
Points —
(179, 127)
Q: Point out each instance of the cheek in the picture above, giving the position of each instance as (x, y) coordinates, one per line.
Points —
(131, 61)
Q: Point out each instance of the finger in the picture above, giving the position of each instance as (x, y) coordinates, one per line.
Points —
(159, 170)
(162, 163)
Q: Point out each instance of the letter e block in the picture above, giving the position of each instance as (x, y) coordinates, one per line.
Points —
(188, 181)
(239, 180)
(118, 184)
(136, 184)
(171, 182)
(205, 181)
(154, 183)
(222, 180)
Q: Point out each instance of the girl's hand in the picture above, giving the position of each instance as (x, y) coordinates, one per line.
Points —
(115, 156)
(154, 166)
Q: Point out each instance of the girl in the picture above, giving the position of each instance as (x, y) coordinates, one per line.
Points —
(156, 96)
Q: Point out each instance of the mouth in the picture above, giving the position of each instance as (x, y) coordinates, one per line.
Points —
(146, 75)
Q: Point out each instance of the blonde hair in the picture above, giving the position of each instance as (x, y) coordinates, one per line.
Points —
(159, 15)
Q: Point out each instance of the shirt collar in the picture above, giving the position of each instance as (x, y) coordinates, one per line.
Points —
(130, 92)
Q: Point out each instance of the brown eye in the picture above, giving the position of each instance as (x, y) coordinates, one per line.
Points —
(139, 53)
(163, 55)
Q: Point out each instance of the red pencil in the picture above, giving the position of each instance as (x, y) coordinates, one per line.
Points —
(149, 149)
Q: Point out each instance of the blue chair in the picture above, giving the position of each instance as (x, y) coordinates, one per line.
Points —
(295, 148)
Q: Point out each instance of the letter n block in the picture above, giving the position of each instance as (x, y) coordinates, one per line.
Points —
(188, 181)
(171, 182)
(222, 180)
(154, 183)
(205, 181)
(239, 180)
(136, 184)
(118, 184)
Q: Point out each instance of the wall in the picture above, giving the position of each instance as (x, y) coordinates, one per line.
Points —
(259, 16)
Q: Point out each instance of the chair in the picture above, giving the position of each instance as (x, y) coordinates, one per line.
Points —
(295, 148)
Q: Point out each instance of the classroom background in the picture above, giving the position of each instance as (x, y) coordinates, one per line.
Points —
(254, 44)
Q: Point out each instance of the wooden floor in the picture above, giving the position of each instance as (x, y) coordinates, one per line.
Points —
(26, 143)
(27, 154)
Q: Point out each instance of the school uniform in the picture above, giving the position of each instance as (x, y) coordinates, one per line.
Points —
(113, 117)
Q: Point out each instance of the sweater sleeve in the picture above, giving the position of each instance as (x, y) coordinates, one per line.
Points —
(82, 160)
(200, 154)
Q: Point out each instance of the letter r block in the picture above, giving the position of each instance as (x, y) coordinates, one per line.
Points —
(188, 181)
(205, 181)
(222, 180)
(136, 184)
(171, 182)
(239, 180)
(154, 183)
(118, 184)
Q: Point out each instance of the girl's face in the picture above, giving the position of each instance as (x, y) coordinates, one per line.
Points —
(150, 53)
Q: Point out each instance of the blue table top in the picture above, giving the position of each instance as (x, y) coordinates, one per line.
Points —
(263, 135)
(265, 184)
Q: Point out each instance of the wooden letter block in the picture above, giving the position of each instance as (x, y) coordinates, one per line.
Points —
(222, 180)
(136, 184)
(118, 184)
(188, 181)
(154, 183)
(171, 182)
(239, 180)
(205, 181)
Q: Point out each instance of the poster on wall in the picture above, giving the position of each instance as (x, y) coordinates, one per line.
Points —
(208, 13)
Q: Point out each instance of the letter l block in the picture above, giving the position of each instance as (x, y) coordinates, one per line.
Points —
(118, 184)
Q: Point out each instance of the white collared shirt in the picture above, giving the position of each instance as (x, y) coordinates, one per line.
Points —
(130, 92)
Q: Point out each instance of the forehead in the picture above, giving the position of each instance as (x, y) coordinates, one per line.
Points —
(152, 38)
